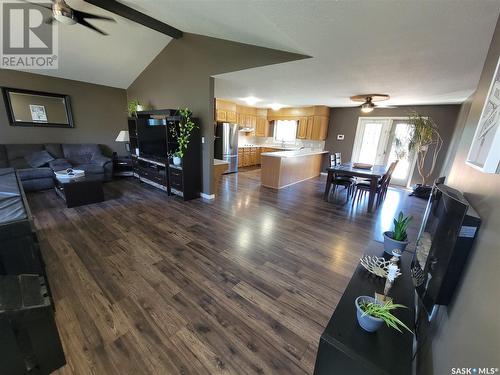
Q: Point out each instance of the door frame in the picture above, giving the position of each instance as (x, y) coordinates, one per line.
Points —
(388, 141)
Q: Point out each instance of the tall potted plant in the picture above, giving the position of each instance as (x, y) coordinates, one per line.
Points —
(397, 238)
(426, 142)
(182, 133)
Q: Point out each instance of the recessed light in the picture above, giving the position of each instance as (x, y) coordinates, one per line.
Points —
(251, 100)
(276, 106)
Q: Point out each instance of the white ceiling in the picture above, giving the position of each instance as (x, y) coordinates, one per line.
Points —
(113, 60)
(419, 52)
(429, 51)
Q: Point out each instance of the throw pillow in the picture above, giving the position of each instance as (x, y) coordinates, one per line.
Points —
(38, 158)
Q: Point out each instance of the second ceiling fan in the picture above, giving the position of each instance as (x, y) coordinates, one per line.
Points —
(368, 101)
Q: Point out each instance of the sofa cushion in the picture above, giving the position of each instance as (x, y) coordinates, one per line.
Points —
(38, 159)
(34, 173)
(55, 150)
(59, 164)
(19, 163)
(80, 153)
(4, 163)
(90, 168)
(19, 151)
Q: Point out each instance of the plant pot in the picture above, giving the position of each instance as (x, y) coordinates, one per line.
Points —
(422, 191)
(139, 108)
(176, 160)
(367, 322)
(391, 244)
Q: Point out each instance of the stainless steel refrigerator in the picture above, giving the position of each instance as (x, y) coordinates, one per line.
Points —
(226, 144)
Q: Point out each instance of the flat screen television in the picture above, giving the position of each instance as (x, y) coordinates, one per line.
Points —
(444, 243)
(152, 137)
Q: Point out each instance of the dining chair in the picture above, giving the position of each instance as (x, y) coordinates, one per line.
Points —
(363, 188)
(347, 182)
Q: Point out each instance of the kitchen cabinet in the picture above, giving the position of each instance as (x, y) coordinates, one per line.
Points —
(253, 156)
(257, 158)
(220, 115)
(319, 128)
(302, 128)
(231, 117)
(262, 127)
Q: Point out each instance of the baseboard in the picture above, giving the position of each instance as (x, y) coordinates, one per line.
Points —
(207, 196)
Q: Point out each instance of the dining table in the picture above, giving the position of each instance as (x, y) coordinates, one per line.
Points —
(348, 169)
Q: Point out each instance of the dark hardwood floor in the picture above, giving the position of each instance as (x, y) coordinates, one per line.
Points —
(148, 284)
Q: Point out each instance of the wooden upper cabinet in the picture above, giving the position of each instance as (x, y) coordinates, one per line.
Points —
(302, 128)
(262, 128)
(231, 117)
(319, 128)
(220, 115)
(310, 123)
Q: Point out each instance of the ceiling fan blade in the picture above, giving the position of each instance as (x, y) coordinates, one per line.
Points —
(86, 24)
(386, 106)
(81, 15)
(38, 5)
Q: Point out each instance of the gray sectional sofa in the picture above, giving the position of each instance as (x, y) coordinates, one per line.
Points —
(36, 163)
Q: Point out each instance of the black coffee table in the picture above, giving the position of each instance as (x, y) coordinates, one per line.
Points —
(80, 191)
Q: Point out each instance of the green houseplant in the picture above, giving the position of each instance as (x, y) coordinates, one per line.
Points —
(182, 134)
(426, 142)
(372, 314)
(133, 106)
(397, 238)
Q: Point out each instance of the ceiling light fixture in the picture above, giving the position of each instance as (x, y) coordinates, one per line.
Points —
(276, 106)
(368, 100)
(367, 106)
(251, 100)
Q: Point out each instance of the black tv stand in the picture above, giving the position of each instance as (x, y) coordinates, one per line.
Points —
(184, 180)
(344, 347)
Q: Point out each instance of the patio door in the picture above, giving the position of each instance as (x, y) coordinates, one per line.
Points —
(371, 140)
(397, 148)
(383, 140)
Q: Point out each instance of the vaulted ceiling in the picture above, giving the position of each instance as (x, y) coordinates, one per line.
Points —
(416, 51)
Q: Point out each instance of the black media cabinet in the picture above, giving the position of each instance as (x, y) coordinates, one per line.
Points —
(345, 348)
(159, 171)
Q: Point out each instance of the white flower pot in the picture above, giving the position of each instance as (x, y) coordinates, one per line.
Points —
(177, 160)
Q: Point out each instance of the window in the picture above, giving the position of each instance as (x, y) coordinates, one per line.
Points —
(285, 130)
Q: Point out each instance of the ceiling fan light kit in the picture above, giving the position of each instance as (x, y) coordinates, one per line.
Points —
(368, 100)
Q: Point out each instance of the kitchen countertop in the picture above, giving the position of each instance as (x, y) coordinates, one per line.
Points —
(293, 154)
(269, 146)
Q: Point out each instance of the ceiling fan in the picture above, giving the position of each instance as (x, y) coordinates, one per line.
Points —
(62, 12)
(368, 101)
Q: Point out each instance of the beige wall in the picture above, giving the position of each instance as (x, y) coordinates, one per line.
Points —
(469, 331)
(99, 112)
(180, 76)
(345, 120)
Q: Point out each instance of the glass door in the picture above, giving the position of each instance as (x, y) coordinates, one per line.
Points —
(372, 136)
(398, 149)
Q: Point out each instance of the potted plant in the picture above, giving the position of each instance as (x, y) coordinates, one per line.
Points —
(133, 107)
(181, 134)
(397, 238)
(372, 313)
(425, 141)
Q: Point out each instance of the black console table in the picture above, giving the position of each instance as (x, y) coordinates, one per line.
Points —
(29, 341)
(345, 348)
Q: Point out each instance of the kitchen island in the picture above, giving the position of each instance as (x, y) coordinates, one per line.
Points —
(285, 168)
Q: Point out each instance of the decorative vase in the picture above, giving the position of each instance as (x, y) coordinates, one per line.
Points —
(391, 244)
(367, 322)
(176, 160)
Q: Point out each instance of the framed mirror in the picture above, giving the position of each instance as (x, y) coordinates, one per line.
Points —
(39, 109)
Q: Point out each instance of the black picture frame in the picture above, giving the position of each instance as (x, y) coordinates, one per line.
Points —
(10, 113)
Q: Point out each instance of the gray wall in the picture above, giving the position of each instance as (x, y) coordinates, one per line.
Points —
(345, 120)
(99, 112)
(180, 76)
(469, 330)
